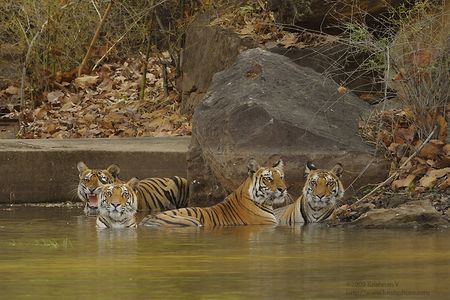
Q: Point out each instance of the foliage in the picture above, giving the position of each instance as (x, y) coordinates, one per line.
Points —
(64, 30)
(410, 54)
(106, 104)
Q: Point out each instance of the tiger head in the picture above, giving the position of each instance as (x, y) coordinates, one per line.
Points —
(268, 186)
(118, 201)
(323, 188)
(91, 181)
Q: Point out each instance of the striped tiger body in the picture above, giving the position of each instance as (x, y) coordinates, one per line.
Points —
(251, 203)
(160, 194)
(323, 188)
(91, 182)
(118, 206)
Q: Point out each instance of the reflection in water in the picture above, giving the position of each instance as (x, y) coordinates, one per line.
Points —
(59, 251)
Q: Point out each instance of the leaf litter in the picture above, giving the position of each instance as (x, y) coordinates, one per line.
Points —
(106, 104)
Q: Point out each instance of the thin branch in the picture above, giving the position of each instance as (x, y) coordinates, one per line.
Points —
(125, 33)
(27, 58)
(96, 9)
(398, 170)
(94, 38)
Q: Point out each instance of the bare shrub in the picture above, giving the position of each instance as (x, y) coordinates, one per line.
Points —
(58, 33)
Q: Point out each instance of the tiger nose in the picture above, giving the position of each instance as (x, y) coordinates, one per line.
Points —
(115, 203)
(281, 189)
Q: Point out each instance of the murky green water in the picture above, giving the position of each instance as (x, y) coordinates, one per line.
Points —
(56, 253)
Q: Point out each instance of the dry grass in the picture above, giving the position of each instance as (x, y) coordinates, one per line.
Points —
(57, 35)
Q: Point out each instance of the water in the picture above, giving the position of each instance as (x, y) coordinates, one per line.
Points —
(55, 253)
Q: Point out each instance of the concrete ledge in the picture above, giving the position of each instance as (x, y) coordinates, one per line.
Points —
(33, 171)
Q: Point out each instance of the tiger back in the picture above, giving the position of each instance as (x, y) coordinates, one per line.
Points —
(322, 190)
(160, 194)
(250, 204)
(91, 182)
(118, 206)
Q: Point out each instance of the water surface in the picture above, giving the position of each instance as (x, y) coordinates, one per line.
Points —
(55, 253)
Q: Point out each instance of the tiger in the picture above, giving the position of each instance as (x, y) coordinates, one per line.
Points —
(250, 204)
(322, 190)
(154, 194)
(91, 182)
(118, 205)
(160, 194)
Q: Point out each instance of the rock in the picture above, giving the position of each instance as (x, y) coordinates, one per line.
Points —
(338, 62)
(266, 107)
(208, 49)
(319, 14)
(420, 213)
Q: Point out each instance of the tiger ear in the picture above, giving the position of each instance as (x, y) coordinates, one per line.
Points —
(252, 166)
(309, 167)
(81, 166)
(338, 170)
(133, 182)
(114, 170)
(279, 165)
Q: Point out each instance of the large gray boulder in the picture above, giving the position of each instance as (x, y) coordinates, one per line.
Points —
(208, 49)
(265, 106)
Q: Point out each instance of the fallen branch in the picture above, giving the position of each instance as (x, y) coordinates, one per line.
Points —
(396, 173)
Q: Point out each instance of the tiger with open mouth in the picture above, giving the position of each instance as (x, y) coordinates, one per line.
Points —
(91, 182)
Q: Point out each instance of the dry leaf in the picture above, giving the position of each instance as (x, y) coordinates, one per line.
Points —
(427, 181)
(342, 89)
(431, 149)
(288, 40)
(12, 90)
(446, 150)
(421, 58)
(40, 113)
(442, 135)
(85, 81)
(432, 176)
(420, 170)
(445, 184)
(439, 173)
(397, 77)
(404, 135)
(403, 183)
(53, 97)
(367, 97)
(247, 30)
(419, 189)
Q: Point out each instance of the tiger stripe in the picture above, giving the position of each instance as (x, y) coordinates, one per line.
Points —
(161, 194)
